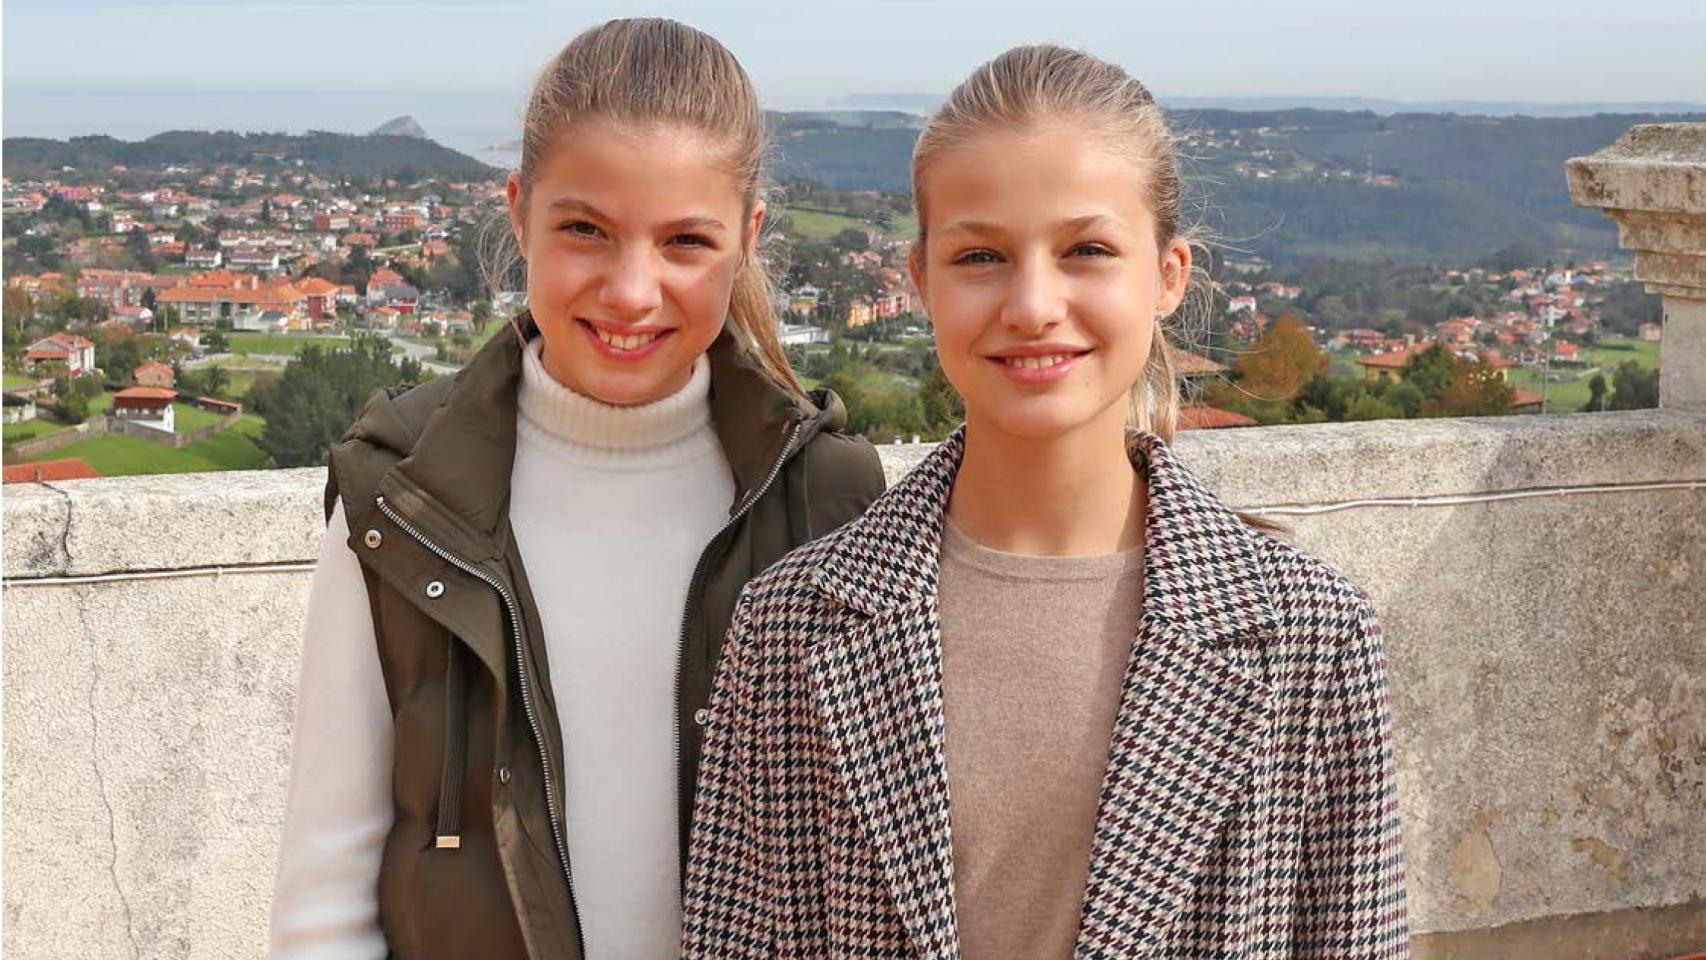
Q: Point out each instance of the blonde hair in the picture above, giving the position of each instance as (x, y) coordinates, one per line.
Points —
(649, 70)
(1029, 84)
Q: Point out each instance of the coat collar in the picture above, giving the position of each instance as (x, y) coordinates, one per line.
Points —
(464, 454)
(1187, 736)
(1200, 568)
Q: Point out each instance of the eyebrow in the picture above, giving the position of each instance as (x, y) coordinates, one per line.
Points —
(1090, 221)
(697, 222)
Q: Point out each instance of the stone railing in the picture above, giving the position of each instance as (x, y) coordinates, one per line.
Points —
(1541, 579)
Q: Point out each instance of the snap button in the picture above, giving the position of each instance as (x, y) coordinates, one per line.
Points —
(435, 589)
(373, 538)
(503, 774)
(701, 716)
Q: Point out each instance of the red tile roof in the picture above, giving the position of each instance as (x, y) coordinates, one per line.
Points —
(48, 471)
(145, 393)
(1188, 364)
(1211, 418)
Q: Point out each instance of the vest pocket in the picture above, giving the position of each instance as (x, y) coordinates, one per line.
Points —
(449, 830)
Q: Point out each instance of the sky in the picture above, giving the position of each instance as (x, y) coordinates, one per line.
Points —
(133, 68)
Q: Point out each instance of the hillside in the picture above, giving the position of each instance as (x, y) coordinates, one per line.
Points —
(333, 154)
(1292, 184)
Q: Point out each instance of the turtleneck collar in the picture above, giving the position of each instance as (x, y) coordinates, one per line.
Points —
(671, 430)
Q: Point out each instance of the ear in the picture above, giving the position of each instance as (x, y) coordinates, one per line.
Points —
(915, 266)
(1175, 275)
(517, 198)
(754, 229)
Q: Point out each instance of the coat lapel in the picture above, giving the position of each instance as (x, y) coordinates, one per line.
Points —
(878, 687)
(1191, 722)
(1190, 725)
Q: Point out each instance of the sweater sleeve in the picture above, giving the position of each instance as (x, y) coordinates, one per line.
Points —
(338, 809)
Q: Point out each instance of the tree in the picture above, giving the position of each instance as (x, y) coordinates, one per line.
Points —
(1475, 390)
(143, 251)
(1430, 370)
(74, 406)
(216, 341)
(316, 397)
(943, 408)
(1633, 387)
(1596, 391)
(217, 380)
(1280, 361)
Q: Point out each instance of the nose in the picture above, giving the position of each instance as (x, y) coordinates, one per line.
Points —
(632, 288)
(1036, 297)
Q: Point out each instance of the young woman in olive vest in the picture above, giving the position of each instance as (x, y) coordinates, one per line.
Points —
(529, 566)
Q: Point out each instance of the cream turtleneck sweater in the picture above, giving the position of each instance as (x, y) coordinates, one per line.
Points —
(611, 507)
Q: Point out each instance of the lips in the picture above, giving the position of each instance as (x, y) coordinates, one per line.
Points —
(1039, 363)
(624, 343)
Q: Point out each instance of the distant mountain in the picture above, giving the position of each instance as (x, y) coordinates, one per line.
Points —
(1293, 184)
(404, 126)
(332, 154)
(1466, 108)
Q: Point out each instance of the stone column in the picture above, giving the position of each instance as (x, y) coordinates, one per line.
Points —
(1652, 181)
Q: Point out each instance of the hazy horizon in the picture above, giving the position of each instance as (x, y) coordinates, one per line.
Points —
(132, 70)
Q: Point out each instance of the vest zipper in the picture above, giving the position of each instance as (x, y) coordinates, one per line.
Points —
(559, 824)
(695, 587)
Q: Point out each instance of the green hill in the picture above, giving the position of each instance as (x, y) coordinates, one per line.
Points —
(1460, 187)
(332, 154)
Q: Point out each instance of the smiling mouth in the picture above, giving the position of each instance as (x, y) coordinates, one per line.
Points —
(624, 341)
(1037, 363)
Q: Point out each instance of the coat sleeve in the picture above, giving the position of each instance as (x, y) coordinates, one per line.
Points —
(338, 809)
(1351, 901)
(728, 911)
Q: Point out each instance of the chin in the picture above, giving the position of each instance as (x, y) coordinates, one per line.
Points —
(1037, 419)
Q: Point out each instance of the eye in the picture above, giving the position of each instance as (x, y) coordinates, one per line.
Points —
(582, 228)
(692, 240)
(974, 258)
(1090, 250)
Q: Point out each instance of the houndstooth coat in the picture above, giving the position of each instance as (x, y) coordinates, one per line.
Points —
(1248, 809)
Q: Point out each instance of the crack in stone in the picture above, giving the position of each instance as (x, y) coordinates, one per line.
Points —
(100, 775)
(64, 533)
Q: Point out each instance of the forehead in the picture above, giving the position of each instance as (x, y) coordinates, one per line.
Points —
(653, 170)
(1046, 171)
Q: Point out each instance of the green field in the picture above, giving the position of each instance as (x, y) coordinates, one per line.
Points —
(188, 418)
(15, 380)
(117, 455)
(30, 429)
(280, 344)
(1567, 391)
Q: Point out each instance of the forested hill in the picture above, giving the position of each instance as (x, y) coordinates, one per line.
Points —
(329, 154)
(1290, 184)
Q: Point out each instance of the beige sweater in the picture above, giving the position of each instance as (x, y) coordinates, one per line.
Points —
(1034, 653)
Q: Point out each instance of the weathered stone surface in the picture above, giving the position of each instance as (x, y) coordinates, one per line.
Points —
(166, 522)
(1547, 657)
(1655, 167)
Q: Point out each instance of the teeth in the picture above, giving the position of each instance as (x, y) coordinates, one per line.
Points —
(1036, 363)
(633, 341)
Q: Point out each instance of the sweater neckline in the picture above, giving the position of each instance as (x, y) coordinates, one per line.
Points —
(564, 417)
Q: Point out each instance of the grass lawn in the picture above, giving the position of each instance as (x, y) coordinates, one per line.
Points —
(14, 380)
(281, 344)
(189, 418)
(116, 455)
(814, 225)
(31, 429)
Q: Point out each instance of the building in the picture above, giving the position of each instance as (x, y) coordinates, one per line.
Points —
(1649, 332)
(791, 335)
(153, 373)
(18, 407)
(147, 406)
(204, 259)
(77, 353)
(320, 299)
(48, 471)
(225, 296)
(1198, 417)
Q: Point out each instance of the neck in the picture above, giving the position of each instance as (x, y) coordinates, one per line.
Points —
(1072, 494)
